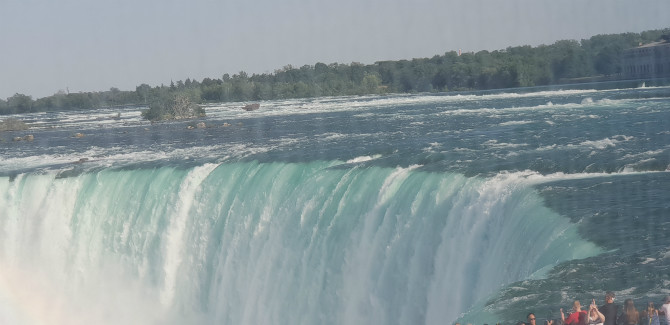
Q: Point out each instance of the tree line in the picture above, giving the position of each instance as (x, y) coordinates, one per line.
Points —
(521, 66)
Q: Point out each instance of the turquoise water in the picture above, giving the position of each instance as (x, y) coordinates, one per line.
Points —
(421, 209)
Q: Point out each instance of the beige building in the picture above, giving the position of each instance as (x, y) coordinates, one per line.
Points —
(647, 61)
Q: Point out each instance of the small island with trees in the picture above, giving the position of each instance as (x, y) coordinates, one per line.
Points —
(173, 107)
(568, 61)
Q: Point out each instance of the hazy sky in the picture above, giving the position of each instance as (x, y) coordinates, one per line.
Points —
(89, 45)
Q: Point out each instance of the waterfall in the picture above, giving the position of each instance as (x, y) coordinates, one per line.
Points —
(269, 243)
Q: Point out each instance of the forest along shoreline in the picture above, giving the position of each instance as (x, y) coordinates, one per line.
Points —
(564, 62)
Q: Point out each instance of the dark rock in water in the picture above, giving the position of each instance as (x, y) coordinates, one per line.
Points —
(251, 107)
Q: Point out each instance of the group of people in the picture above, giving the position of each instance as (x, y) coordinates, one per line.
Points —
(608, 314)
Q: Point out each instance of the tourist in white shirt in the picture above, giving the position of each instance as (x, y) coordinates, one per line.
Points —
(665, 310)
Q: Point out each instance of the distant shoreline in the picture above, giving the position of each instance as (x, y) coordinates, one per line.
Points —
(572, 84)
(566, 62)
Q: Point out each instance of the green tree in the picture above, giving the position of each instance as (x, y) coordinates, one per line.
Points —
(143, 93)
(3, 107)
(371, 84)
(569, 60)
(20, 103)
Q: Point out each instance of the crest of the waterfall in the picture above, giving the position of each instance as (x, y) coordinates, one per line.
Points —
(276, 243)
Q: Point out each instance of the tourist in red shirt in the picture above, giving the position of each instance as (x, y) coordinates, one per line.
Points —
(574, 317)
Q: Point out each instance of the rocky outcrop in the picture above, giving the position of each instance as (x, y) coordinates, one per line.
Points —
(251, 107)
(199, 125)
(12, 124)
(28, 137)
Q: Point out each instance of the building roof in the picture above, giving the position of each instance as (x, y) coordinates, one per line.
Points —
(653, 44)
